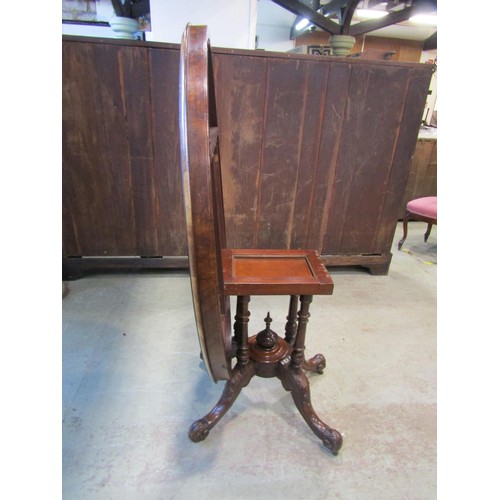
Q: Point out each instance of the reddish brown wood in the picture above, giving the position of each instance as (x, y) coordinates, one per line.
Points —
(275, 272)
(171, 229)
(294, 380)
(203, 203)
(361, 168)
(96, 153)
(217, 272)
(241, 93)
(241, 376)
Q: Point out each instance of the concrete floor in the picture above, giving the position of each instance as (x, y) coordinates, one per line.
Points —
(133, 383)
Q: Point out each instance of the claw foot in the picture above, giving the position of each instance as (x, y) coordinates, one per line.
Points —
(315, 364)
(332, 441)
(199, 430)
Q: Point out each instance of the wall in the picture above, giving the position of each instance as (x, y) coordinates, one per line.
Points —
(431, 106)
(406, 50)
(78, 10)
(273, 27)
(231, 24)
(274, 38)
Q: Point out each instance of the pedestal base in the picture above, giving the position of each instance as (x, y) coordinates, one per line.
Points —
(267, 355)
(293, 380)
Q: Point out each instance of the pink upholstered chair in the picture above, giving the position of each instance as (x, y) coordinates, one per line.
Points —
(422, 209)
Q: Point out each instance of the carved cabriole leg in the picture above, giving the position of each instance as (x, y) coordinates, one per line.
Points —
(241, 376)
(294, 380)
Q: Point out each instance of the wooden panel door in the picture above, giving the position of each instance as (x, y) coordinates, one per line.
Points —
(369, 137)
(108, 181)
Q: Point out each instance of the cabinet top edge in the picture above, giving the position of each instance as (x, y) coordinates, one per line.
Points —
(247, 52)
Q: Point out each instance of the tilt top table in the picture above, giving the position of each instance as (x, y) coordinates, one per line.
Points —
(218, 272)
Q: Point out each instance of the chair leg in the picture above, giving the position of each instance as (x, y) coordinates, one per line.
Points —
(405, 229)
(428, 232)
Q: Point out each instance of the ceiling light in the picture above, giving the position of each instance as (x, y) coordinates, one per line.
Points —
(370, 14)
(427, 19)
(302, 24)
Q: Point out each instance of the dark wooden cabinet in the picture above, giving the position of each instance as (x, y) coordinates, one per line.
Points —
(315, 153)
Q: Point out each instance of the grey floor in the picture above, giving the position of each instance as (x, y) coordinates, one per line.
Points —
(133, 383)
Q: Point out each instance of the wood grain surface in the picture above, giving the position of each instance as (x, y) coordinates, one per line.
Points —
(315, 150)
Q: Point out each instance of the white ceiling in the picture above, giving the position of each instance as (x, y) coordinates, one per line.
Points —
(270, 14)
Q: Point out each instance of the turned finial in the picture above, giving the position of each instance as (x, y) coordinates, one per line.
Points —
(267, 339)
(268, 320)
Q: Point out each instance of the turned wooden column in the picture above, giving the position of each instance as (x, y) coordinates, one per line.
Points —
(241, 328)
(291, 320)
(303, 318)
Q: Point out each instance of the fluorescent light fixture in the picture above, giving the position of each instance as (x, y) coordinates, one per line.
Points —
(427, 19)
(302, 24)
(369, 13)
